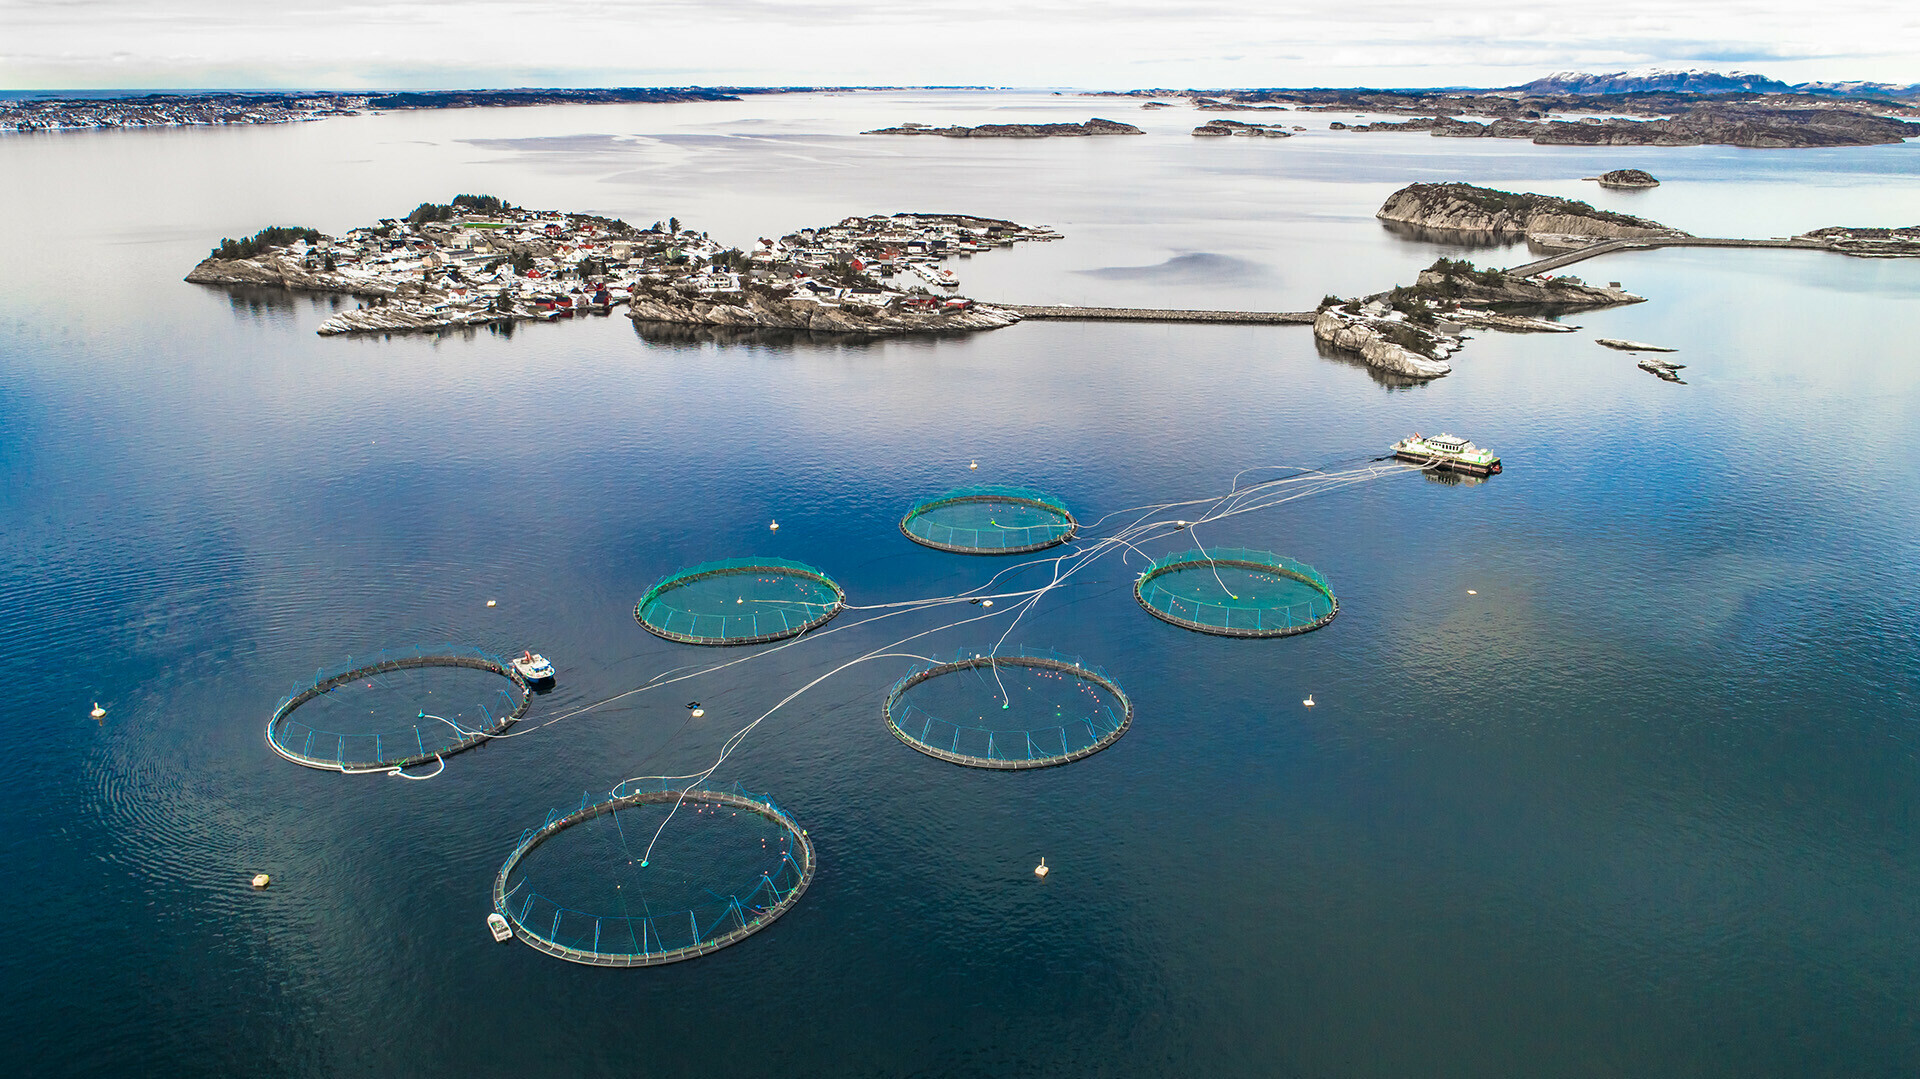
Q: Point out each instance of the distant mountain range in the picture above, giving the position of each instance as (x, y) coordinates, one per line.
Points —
(1707, 82)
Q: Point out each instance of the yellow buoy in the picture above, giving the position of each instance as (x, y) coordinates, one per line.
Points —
(1041, 869)
(97, 710)
(1471, 592)
(261, 880)
(1309, 701)
(491, 602)
(698, 712)
(986, 603)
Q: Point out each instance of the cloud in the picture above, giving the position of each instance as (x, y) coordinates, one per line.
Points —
(356, 43)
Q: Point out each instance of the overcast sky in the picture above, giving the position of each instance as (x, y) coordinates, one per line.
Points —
(77, 44)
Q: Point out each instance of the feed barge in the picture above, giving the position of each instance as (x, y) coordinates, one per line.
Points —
(1446, 453)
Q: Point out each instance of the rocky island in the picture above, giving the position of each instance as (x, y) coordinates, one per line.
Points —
(1095, 126)
(479, 260)
(1754, 126)
(1559, 112)
(1869, 242)
(1235, 127)
(1464, 208)
(1627, 178)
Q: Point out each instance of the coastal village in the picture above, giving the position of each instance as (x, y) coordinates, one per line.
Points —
(479, 260)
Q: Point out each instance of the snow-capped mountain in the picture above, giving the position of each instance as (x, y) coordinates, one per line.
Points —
(1628, 82)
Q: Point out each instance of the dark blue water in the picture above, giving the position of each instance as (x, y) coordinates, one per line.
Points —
(1612, 768)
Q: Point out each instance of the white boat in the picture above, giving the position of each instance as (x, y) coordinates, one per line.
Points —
(1447, 453)
(532, 667)
(502, 932)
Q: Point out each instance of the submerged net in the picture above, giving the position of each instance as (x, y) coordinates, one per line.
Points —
(739, 601)
(1021, 709)
(989, 520)
(397, 709)
(585, 886)
(1236, 593)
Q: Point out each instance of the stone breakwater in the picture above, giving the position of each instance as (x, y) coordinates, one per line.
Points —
(1155, 314)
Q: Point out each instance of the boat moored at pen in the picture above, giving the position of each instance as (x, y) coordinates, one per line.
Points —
(1447, 453)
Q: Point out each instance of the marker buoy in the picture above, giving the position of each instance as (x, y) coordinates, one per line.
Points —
(1472, 592)
(1309, 701)
(261, 880)
(97, 710)
(971, 465)
(492, 602)
(774, 527)
(1041, 869)
(986, 603)
(698, 712)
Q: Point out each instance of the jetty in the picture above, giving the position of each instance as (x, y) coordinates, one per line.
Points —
(1154, 314)
(1604, 247)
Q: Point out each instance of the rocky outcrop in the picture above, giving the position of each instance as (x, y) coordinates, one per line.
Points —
(1494, 287)
(288, 271)
(403, 318)
(1095, 126)
(1627, 178)
(1372, 339)
(769, 310)
(1470, 209)
(1870, 242)
(1235, 127)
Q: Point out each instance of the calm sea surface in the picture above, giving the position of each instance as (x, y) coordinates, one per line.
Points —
(1613, 769)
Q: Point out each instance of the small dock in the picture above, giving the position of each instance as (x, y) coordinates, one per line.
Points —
(1152, 314)
(1581, 254)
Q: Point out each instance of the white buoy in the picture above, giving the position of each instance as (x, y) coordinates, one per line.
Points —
(1309, 701)
(972, 465)
(261, 880)
(492, 602)
(774, 527)
(97, 710)
(1041, 869)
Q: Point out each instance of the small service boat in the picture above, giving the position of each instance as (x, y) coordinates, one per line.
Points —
(502, 932)
(532, 667)
(1447, 453)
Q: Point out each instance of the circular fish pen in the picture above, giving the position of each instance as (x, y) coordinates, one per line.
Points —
(739, 601)
(989, 520)
(1236, 593)
(1025, 709)
(723, 868)
(466, 713)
